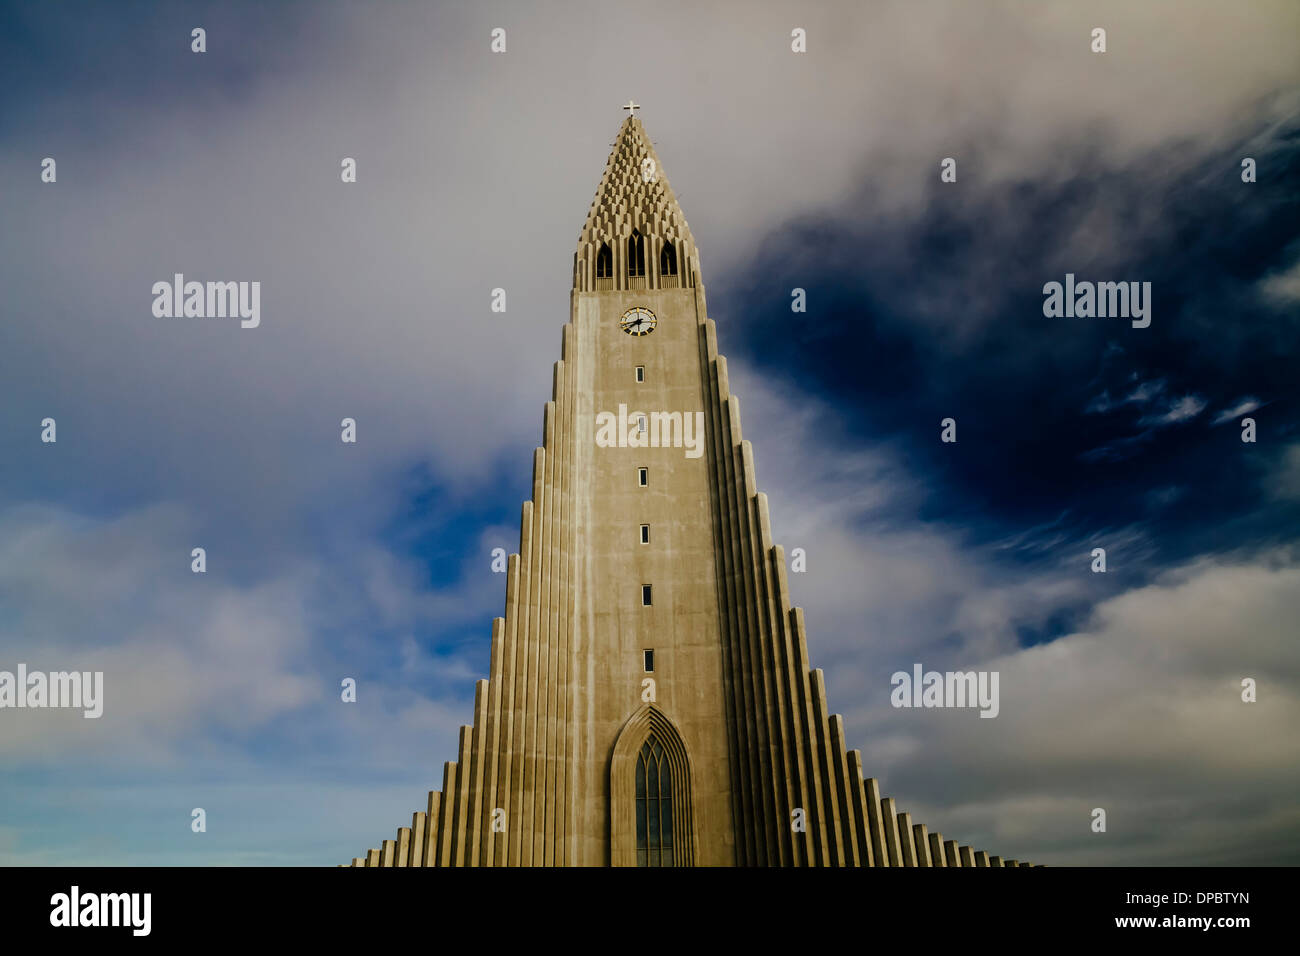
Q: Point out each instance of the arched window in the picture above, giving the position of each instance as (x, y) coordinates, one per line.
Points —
(654, 806)
(635, 254)
(668, 260)
(604, 262)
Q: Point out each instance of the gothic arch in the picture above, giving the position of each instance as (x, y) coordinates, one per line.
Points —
(635, 254)
(668, 259)
(647, 721)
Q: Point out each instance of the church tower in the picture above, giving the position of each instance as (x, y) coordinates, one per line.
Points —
(650, 700)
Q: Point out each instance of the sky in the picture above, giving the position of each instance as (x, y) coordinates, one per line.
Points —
(817, 170)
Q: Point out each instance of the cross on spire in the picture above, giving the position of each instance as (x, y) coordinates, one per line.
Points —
(631, 106)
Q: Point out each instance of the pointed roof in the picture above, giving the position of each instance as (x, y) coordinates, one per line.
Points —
(634, 194)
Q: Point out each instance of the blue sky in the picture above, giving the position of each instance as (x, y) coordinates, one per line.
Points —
(817, 171)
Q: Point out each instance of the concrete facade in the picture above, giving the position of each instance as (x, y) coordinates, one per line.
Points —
(728, 720)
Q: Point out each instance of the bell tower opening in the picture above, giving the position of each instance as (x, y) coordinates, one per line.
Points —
(635, 254)
(668, 260)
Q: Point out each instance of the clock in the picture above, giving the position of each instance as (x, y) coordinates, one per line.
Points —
(638, 321)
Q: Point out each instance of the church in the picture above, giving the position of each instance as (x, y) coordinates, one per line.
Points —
(650, 701)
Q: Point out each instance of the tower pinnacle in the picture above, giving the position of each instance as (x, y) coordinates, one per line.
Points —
(634, 197)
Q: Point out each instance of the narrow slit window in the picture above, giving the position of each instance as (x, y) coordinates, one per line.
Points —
(643, 476)
(645, 534)
(649, 661)
(604, 262)
(641, 424)
(645, 595)
(640, 373)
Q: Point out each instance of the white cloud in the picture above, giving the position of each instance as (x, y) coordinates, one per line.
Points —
(1145, 392)
(1283, 287)
(1180, 410)
(203, 662)
(1140, 713)
(1244, 406)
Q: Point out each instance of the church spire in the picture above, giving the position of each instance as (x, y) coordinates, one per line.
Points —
(650, 699)
(635, 208)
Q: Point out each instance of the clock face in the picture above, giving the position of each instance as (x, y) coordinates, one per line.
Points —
(638, 321)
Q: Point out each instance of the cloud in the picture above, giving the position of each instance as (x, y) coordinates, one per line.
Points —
(1145, 392)
(1283, 288)
(202, 661)
(882, 583)
(1286, 480)
(1120, 449)
(1243, 406)
(1139, 712)
(1178, 411)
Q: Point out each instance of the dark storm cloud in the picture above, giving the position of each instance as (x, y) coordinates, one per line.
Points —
(915, 319)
